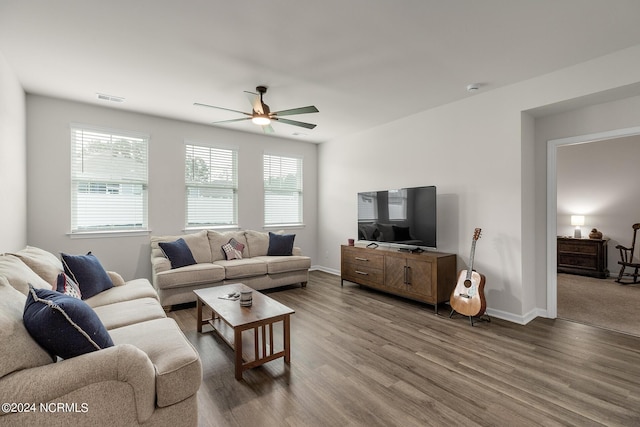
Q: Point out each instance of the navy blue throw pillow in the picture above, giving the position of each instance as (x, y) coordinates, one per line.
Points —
(178, 253)
(280, 244)
(63, 325)
(87, 272)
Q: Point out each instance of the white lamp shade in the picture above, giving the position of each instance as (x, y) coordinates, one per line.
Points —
(577, 219)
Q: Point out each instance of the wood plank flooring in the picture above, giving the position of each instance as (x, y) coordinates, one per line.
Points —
(364, 358)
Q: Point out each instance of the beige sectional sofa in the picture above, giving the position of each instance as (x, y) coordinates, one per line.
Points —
(150, 376)
(256, 269)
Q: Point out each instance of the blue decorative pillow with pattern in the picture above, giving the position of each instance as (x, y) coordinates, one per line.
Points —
(87, 272)
(63, 325)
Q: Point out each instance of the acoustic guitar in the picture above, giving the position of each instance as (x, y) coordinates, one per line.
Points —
(468, 296)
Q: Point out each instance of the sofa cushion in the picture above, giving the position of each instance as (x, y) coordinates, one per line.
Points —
(133, 289)
(198, 244)
(64, 326)
(178, 253)
(246, 267)
(191, 275)
(177, 364)
(87, 272)
(18, 350)
(284, 264)
(280, 244)
(216, 240)
(19, 275)
(125, 313)
(43, 263)
(67, 286)
(258, 243)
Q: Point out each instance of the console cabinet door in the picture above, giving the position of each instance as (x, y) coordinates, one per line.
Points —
(419, 278)
(395, 273)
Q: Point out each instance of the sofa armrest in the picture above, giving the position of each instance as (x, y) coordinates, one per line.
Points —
(116, 278)
(122, 363)
(160, 264)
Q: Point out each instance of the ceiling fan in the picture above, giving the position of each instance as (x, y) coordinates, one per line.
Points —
(262, 115)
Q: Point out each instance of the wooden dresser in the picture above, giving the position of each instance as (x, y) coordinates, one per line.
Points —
(428, 277)
(587, 257)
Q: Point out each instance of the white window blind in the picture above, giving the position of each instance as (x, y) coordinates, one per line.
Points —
(211, 177)
(282, 190)
(367, 206)
(398, 204)
(108, 180)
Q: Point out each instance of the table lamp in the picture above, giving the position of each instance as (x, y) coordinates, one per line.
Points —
(577, 220)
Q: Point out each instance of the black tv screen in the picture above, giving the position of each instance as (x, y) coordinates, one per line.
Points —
(405, 216)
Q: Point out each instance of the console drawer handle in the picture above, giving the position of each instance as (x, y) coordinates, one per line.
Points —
(361, 259)
(362, 272)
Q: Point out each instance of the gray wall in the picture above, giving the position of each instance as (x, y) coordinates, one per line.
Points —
(48, 156)
(13, 163)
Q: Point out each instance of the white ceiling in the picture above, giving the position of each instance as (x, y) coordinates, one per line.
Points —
(360, 62)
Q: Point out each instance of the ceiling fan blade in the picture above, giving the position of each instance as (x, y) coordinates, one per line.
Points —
(295, 123)
(220, 108)
(254, 99)
(232, 120)
(268, 129)
(301, 110)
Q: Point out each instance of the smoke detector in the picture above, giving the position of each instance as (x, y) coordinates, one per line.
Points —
(473, 87)
(110, 98)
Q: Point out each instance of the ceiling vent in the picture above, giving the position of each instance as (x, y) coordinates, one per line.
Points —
(111, 98)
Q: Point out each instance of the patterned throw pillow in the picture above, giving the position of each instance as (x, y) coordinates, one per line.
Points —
(233, 249)
(67, 286)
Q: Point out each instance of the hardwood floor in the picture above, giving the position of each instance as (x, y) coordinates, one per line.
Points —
(364, 358)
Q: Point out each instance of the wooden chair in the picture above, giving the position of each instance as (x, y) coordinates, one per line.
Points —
(626, 259)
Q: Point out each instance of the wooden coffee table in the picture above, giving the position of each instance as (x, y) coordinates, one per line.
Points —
(229, 320)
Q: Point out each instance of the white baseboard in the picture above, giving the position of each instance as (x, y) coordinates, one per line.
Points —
(519, 319)
(325, 269)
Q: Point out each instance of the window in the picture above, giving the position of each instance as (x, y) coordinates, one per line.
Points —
(108, 180)
(282, 190)
(398, 204)
(211, 177)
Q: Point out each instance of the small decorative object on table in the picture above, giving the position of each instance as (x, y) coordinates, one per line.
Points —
(595, 234)
(246, 298)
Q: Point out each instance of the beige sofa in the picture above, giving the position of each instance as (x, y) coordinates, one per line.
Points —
(256, 269)
(149, 377)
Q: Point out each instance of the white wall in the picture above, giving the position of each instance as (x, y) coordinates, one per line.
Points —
(483, 157)
(597, 179)
(13, 163)
(48, 148)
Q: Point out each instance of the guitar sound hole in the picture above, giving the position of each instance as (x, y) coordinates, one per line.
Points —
(467, 283)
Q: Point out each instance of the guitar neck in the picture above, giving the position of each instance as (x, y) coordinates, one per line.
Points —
(473, 253)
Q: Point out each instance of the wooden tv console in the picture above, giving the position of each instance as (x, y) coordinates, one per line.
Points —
(428, 277)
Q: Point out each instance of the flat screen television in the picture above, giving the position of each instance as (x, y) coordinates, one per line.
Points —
(405, 216)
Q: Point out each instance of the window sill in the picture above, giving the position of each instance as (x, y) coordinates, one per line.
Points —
(281, 226)
(105, 233)
(212, 227)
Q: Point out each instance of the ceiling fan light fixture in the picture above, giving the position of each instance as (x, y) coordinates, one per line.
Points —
(261, 120)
